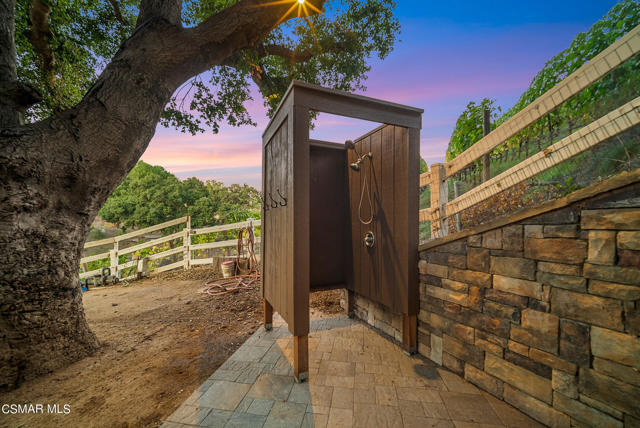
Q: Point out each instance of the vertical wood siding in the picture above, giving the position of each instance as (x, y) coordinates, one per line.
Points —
(382, 273)
(277, 282)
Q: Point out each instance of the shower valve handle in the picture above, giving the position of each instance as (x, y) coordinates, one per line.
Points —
(369, 239)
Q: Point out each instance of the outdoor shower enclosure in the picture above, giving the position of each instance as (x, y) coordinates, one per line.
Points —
(312, 235)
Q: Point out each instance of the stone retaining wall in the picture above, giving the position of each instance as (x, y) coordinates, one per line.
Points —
(544, 312)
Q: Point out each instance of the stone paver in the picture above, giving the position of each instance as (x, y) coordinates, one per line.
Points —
(223, 395)
(286, 414)
(357, 378)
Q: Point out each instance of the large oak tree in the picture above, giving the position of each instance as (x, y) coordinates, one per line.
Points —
(83, 84)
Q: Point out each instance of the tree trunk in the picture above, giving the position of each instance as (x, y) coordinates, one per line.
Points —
(57, 173)
(43, 324)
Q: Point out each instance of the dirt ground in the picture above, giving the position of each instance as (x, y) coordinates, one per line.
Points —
(161, 339)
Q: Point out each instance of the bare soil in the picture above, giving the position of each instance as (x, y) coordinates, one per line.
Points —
(326, 302)
(161, 338)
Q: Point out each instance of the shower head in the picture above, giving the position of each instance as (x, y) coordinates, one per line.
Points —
(355, 166)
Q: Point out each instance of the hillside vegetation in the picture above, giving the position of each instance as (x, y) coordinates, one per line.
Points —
(607, 159)
(150, 195)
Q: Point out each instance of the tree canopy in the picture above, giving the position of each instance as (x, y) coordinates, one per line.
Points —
(151, 195)
(468, 128)
(63, 47)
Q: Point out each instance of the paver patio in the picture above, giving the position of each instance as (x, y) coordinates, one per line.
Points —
(356, 378)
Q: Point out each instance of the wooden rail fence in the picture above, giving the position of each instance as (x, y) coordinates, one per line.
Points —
(610, 125)
(142, 263)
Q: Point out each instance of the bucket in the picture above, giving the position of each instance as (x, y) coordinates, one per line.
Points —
(243, 265)
(228, 268)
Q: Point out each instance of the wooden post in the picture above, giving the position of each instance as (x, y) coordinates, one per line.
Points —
(113, 256)
(439, 197)
(301, 358)
(409, 333)
(456, 193)
(268, 315)
(349, 302)
(143, 267)
(486, 159)
(186, 243)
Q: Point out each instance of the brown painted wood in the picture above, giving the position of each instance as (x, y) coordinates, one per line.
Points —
(328, 215)
(326, 231)
(301, 357)
(268, 315)
(350, 302)
(377, 177)
(341, 103)
(384, 273)
(282, 114)
(327, 144)
(401, 217)
(327, 287)
(413, 205)
(365, 212)
(299, 245)
(354, 273)
(388, 257)
(409, 333)
(277, 222)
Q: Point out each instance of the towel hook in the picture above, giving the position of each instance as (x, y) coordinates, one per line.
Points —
(283, 198)
(274, 204)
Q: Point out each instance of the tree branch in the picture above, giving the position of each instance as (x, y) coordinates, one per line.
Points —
(300, 55)
(40, 35)
(170, 10)
(117, 12)
(258, 73)
(292, 55)
(241, 26)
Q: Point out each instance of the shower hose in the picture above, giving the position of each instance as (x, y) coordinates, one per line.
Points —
(368, 190)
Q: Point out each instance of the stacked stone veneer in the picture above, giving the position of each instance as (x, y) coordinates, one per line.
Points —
(543, 313)
(378, 316)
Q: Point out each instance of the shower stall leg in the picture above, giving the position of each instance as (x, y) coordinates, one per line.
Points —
(350, 302)
(409, 334)
(268, 315)
(301, 358)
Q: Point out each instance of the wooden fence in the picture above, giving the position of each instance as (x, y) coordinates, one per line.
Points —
(142, 263)
(610, 125)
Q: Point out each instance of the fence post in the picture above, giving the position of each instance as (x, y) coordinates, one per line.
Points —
(439, 197)
(486, 159)
(186, 243)
(143, 267)
(113, 256)
(456, 193)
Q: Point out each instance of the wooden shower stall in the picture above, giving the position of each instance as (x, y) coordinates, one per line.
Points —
(312, 233)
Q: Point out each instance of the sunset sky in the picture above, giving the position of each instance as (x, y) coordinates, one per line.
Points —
(450, 53)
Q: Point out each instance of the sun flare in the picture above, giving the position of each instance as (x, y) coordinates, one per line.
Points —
(304, 8)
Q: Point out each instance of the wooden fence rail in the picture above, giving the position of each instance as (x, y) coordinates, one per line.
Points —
(142, 263)
(612, 124)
